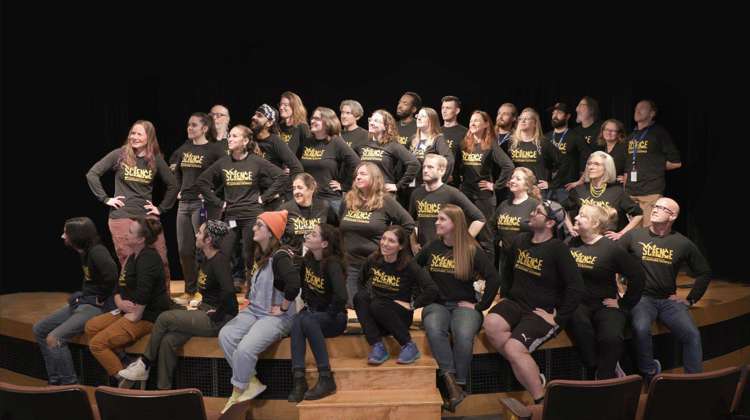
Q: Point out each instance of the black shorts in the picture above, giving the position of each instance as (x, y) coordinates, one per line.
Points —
(527, 327)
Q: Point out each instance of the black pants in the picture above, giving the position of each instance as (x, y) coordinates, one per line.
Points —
(597, 332)
(380, 317)
(315, 327)
(242, 233)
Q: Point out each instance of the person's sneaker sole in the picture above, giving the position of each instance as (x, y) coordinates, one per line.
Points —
(371, 361)
(407, 362)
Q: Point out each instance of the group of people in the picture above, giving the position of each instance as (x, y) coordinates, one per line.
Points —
(570, 228)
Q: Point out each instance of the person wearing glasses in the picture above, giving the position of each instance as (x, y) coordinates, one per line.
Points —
(384, 150)
(221, 117)
(611, 141)
(600, 188)
(265, 127)
(324, 155)
(136, 164)
(270, 312)
(193, 157)
(529, 149)
(597, 325)
(651, 153)
(546, 289)
(662, 252)
(293, 126)
(242, 176)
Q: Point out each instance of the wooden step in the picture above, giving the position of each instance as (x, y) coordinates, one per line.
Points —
(357, 375)
(374, 405)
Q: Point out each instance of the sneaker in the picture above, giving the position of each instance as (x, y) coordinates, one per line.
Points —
(648, 377)
(183, 299)
(378, 354)
(231, 401)
(254, 388)
(543, 379)
(409, 353)
(136, 371)
(196, 300)
(618, 371)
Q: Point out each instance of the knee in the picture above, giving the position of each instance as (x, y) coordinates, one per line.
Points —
(513, 349)
(690, 335)
(98, 343)
(52, 341)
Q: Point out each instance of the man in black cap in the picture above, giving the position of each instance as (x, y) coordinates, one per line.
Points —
(545, 290)
(266, 134)
(570, 145)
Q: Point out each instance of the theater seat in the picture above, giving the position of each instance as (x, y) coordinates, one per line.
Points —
(129, 404)
(19, 402)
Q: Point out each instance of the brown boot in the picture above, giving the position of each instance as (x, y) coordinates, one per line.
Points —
(456, 394)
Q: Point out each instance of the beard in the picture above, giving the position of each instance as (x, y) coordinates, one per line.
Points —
(559, 123)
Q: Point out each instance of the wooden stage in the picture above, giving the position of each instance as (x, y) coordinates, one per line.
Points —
(723, 315)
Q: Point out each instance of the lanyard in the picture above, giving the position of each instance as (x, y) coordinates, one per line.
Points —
(562, 138)
(635, 145)
(504, 139)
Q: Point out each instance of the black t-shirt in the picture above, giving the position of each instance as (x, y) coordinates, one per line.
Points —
(142, 282)
(492, 165)
(512, 219)
(357, 137)
(589, 135)
(424, 207)
(541, 161)
(216, 286)
(324, 160)
(302, 220)
(406, 131)
(571, 147)
(324, 291)
(544, 276)
(613, 197)
(652, 148)
(361, 229)
(454, 137)
(293, 135)
(191, 161)
(662, 258)
(388, 157)
(274, 150)
(99, 272)
(420, 149)
(135, 183)
(437, 258)
(383, 279)
(599, 264)
(619, 154)
(242, 182)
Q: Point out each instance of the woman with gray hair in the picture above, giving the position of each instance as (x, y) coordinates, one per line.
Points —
(600, 188)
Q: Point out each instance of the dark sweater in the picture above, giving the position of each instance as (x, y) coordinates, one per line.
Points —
(99, 272)
(142, 282)
(324, 161)
(324, 291)
(191, 161)
(411, 284)
(216, 286)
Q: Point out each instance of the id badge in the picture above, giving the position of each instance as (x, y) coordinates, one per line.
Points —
(232, 224)
(115, 312)
(633, 176)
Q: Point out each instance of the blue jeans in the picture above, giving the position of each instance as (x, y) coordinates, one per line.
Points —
(315, 327)
(462, 324)
(676, 317)
(245, 337)
(63, 324)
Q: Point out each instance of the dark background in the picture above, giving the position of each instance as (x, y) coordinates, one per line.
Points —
(72, 85)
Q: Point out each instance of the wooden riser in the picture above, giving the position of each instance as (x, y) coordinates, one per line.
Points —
(374, 405)
(357, 375)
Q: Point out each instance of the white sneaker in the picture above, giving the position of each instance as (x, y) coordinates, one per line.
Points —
(183, 299)
(543, 379)
(254, 388)
(136, 371)
(619, 372)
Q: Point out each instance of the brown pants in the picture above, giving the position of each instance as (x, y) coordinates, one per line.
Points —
(646, 202)
(108, 332)
(119, 229)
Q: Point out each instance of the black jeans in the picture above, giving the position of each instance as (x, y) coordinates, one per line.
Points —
(316, 327)
(597, 332)
(243, 233)
(380, 317)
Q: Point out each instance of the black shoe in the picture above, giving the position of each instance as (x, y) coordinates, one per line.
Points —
(326, 386)
(299, 386)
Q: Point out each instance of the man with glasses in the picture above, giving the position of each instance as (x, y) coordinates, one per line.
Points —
(220, 114)
(650, 154)
(661, 253)
(545, 290)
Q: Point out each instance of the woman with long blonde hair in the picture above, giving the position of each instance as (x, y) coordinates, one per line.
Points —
(366, 212)
(529, 149)
(454, 261)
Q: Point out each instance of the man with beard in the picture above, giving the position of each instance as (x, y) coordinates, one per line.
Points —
(570, 146)
(266, 134)
(505, 121)
(408, 105)
(428, 198)
(453, 132)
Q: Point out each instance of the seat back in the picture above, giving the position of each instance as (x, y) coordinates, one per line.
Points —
(130, 404)
(741, 405)
(686, 396)
(612, 399)
(19, 402)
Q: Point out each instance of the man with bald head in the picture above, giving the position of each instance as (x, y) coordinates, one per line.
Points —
(661, 253)
(221, 117)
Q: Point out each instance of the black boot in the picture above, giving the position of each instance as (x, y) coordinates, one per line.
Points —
(299, 386)
(325, 386)
(455, 393)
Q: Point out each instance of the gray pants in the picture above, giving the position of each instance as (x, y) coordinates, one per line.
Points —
(63, 324)
(171, 331)
(188, 223)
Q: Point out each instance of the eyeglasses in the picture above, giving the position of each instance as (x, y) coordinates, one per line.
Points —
(216, 115)
(316, 119)
(373, 120)
(525, 119)
(664, 209)
(607, 130)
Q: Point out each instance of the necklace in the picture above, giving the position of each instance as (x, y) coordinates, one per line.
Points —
(597, 192)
